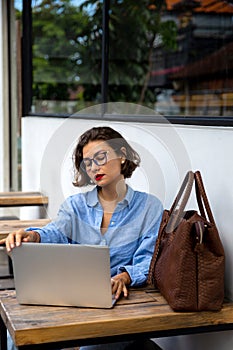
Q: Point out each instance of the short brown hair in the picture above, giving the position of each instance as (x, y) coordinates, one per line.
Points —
(114, 140)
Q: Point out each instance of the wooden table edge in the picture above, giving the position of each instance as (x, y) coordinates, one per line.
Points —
(149, 324)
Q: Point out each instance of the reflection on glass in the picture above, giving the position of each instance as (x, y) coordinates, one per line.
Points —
(173, 56)
(199, 72)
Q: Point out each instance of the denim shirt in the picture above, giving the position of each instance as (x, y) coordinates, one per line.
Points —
(131, 234)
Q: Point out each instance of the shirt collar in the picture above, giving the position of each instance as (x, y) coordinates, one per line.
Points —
(92, 197)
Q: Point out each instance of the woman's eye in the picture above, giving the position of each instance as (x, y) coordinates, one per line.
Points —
(100, 156)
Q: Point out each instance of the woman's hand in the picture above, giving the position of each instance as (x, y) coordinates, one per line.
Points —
(14, 239)
(119, 284)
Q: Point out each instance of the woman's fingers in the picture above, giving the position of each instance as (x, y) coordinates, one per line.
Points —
(15, 238)
(118, 287)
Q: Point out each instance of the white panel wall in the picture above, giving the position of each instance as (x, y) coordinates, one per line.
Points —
(167, 153)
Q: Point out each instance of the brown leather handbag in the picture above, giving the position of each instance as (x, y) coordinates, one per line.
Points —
(188, 262)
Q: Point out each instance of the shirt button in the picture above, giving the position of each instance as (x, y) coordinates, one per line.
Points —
(103, 242)
(112, 222)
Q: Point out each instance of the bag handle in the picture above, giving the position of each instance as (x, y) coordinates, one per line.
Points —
(174, 216)
(202, 198)
(173, 219)
(177, 210)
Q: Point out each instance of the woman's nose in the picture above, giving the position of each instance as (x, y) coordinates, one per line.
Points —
(94, 166)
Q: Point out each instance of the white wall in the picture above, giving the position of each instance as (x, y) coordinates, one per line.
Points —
(167, 153)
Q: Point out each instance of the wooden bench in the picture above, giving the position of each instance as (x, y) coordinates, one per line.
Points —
(6, 227)
(17, 199)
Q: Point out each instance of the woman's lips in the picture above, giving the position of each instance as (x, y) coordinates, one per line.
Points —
(99, 177)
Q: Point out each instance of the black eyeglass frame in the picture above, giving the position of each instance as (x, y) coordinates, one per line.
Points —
(87, 162)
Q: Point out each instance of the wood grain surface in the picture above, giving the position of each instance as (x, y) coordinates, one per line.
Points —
(145, 310)
(14, 199)
(7, 226)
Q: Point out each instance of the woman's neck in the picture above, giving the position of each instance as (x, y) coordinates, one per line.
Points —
(113, 194)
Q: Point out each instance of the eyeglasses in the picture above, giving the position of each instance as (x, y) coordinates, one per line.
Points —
(100, 158)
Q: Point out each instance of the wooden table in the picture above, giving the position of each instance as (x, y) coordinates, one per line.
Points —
(144, 314)
(16, 199)
(7, 226)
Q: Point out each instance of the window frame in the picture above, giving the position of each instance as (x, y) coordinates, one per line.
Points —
(27, 82)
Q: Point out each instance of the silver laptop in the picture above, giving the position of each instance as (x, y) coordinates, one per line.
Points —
(63, 274)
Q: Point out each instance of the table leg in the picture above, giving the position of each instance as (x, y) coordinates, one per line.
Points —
(3, 335)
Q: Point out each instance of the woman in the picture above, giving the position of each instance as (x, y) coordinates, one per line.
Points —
(112, 213)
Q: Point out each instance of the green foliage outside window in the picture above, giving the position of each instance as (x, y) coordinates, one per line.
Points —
(67, 49)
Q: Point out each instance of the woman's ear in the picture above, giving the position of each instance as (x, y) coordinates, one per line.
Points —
(123, 156)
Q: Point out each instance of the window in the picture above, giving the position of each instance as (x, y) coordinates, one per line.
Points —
(173, 56)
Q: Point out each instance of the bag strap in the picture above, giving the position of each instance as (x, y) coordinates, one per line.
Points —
(202, 199)
(173, 219)
(177, 209)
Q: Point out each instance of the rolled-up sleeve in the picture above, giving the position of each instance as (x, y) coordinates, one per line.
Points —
(60, 230)
(138, 269)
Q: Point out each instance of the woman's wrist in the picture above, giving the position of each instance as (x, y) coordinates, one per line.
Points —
(125, 277)
(35, 237)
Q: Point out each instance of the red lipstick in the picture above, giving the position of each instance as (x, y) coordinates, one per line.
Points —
(98, 177)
